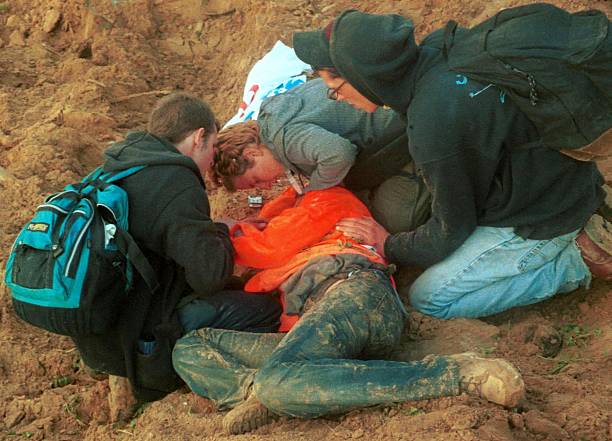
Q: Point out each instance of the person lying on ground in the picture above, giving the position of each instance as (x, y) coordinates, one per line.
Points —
(304, 134)
(506, 220)
(343, 318)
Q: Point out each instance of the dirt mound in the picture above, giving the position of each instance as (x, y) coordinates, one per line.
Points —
(76, 75)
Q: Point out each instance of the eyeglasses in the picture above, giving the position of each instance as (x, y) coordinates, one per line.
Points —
(332, 94)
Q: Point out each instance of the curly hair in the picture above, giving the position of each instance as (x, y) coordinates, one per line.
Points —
(229, 160)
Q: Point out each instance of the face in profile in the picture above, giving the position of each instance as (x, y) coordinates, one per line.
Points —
(341, 90)
(264, 172)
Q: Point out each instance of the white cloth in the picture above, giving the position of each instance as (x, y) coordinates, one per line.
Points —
(278, 71)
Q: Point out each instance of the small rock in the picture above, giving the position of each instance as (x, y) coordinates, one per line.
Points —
(538, 424)
(200, 405)
(13, 22)
(16, 39)
(516, 421)
(219, 6)
(496, 429)
(584, 307)
(357, 434)
(13, 418)
(51, 20)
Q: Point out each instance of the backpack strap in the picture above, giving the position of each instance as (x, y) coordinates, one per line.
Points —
(128, 247)
(110, 177)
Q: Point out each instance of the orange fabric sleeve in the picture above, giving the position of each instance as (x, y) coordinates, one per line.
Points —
(293, 228)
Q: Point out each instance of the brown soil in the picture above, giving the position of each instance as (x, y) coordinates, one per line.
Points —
(75, 75)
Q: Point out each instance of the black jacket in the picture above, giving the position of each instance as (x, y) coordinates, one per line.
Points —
(169, 214)
(481, 158)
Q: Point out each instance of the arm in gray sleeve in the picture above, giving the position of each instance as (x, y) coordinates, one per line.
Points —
(331, 155)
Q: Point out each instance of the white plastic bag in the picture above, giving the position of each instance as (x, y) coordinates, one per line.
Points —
(278, 71)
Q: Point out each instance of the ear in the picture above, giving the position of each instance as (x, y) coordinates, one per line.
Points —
(198, 137)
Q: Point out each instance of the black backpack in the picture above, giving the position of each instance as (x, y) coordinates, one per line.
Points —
(555, 66)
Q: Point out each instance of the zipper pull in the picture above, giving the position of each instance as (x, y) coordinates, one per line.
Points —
(56, 250)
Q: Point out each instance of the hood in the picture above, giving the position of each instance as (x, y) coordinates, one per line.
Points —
(375, 53)
(142, 148)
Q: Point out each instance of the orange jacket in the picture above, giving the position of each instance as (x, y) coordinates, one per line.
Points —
(295, 235)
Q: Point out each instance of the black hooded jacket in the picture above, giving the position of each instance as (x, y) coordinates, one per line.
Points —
(481, 158)
(169, 214)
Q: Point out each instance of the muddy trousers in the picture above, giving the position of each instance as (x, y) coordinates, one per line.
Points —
(324, 364)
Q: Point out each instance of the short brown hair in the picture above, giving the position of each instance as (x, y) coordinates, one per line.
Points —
(229, 159)
(175, 116)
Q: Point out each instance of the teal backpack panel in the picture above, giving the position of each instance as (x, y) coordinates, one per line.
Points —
(68, 270)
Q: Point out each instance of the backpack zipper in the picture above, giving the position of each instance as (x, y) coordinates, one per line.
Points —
(77, 247)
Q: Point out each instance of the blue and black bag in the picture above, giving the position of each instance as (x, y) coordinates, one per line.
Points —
(71, 267)
(71, 272)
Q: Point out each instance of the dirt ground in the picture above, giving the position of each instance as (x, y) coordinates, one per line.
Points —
(76, 75)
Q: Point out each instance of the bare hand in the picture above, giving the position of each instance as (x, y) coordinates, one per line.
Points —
(257, 222)
(365, 230)
(227, 221)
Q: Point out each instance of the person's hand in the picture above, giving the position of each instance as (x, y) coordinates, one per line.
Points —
(257, 222)
(227, 221)
(365, 230)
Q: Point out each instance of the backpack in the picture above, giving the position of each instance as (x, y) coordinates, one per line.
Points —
(71, 272)
(554, 65)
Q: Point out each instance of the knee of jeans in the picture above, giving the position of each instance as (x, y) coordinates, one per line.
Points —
(270, 388)
(188, 350)
(180, 354)
(424, 299)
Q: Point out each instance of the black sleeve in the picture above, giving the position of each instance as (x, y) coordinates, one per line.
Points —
(190, 238)
(453, 216)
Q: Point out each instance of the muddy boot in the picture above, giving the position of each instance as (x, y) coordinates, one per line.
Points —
(121, 399)
(493, 379)
(93, 373)
(247, 416)
(596, 258)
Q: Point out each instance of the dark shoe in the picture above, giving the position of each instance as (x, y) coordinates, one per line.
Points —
(598, 261)
(247, 416)
(493, 379)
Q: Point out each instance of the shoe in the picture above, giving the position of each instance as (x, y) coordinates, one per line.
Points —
(493, 379)
(247, 416)
(121, 401)
(598, 260)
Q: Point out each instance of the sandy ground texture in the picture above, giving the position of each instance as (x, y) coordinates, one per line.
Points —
(76, 75)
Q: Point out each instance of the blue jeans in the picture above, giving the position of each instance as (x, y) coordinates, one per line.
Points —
(231, 309)
(495, 270)
(324, 364)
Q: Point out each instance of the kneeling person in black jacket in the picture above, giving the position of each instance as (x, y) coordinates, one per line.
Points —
(169, 218)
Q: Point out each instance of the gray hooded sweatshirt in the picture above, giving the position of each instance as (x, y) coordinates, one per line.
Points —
(320, 138)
